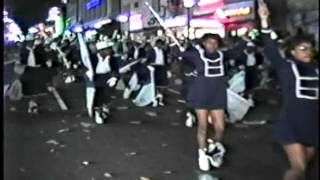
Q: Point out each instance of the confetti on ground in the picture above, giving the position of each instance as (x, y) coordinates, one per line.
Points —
(135, 122)
(257, 122)
(107, 175)
(62, 145)
(22, 170)
(144, 178)
(53, 142)
(87, 125)
(131, 154)
(175, 124)
(64, 130)
(52, 150)
(164, 145)
(151, 113)
(181, 101)
(86, 130)
(241, 125)
(122, 108)
(86, 163)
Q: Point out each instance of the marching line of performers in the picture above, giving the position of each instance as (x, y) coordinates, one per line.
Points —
(211, 75)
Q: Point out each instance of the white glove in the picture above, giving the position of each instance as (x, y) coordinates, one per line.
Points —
(49, 63)
(53, 46)
(182, 49)
(112, 81)
(90, 75)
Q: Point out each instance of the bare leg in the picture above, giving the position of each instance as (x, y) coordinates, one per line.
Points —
(218, 124)
(298, 161)
(202, 116)
(310, 153)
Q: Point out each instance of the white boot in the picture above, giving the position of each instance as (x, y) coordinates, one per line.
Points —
(98, 118)
(33, 107)
(126, 93)
(190, 120)
(216, 153)
(203, 160)
(68, 80)
(160, 99)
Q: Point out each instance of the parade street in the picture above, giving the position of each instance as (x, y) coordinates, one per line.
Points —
(135, 142)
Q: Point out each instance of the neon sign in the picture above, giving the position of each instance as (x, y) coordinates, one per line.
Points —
(237, 12)
(93, 4)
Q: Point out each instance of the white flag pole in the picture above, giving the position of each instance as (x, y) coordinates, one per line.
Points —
(162, 23)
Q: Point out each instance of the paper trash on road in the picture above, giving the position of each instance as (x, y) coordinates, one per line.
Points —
(144, 178)
(175, 124)
(122, 108)
(167, 172)
(52, 150)
(86, 163)
(257, 122)
(53, 142)
(87, 125)
(63, 130)
(107, 175)
(22, 170)
(181, 101)
(151, 113)
(131, 154)
(86, 130)
(135, 122)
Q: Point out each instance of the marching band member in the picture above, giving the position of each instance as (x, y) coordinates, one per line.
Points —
(105, 78)
(207, 94)
(33, 56)
(157, 58)
(298, 127)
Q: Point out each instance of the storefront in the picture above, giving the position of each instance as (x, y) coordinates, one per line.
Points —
(216, 17)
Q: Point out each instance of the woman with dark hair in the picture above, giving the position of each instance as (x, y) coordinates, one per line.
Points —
(298, 127)
(207, 94)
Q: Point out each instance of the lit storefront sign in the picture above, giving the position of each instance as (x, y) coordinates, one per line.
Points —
(176, 22)
(136, 22)
(93, 4)
(207, 9)
(206, 2)
(238, 11)
(208, 23)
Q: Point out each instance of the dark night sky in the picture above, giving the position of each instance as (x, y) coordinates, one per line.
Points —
(29, 12)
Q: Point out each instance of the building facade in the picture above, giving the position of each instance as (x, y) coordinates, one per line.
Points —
(87, 12)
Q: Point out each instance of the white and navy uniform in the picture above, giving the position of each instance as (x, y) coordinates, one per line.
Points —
(158, 59)
(105, 68)
(299, 115)
(36, 75)
(208, 89)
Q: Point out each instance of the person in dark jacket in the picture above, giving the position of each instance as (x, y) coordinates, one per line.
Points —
(297, 129)
(37, 75)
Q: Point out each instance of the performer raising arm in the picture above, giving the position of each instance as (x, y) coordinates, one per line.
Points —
(207, 94)
(297, 129)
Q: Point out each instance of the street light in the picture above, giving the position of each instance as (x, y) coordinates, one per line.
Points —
(188, 4)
